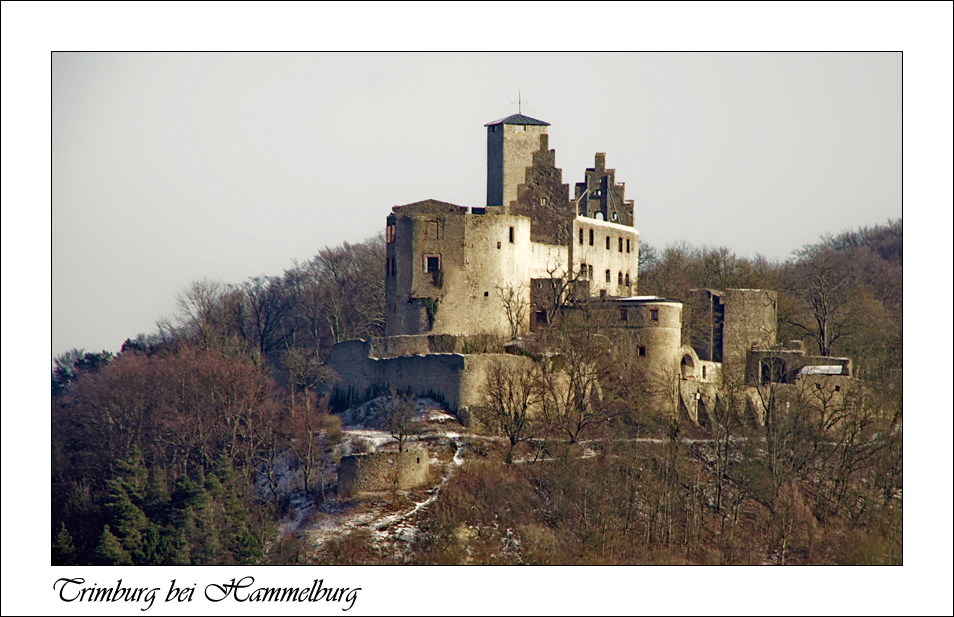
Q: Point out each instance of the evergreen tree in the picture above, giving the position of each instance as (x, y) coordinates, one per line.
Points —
(63, 551)
(110, 551)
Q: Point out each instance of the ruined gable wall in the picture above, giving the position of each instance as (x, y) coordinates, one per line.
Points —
(600, 193)
(544, 198)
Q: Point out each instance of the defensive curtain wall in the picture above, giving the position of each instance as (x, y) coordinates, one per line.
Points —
(457, 379)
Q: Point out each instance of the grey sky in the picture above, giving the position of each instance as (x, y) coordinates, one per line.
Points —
(173, 167)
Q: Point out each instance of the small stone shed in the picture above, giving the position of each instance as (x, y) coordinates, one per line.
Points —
(382, 471)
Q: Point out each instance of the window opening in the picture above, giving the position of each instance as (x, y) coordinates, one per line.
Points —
(627, 245)
(432, 263)
(511, 235)
(607, 276)
(620, 245)
(581, 236)
(619, 278)
(607, 243)
(641, 351)
(623, 314)
(591, 237)
(654, 314)
(773, 371)
(627, 279)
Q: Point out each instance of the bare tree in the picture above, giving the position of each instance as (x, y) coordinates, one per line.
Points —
(511, 396)
(822, 280)
(573, 396)
(516, 306)
(558, 290)
(399, 413)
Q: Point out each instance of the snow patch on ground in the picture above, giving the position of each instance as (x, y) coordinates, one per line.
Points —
(332, 519)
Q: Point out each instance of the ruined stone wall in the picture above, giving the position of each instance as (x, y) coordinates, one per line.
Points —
(456, 379)
(621, 258)
(698, 400)
(782, 365)
(382, 471)
(408, 345)
(704, 320)
(419, 236)
(750, 319)
(475, 257)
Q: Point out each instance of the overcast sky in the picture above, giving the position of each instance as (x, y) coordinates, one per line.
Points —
(169, 168)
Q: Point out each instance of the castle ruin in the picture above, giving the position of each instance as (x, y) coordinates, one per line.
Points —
(456, 273)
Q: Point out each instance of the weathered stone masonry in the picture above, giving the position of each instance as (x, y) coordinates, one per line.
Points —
(453, 272)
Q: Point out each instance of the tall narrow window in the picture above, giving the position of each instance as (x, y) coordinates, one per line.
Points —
(591, 237)
(654, 314)
(627, 245)
(620, 245)
(583, 270)
(607, 243)
(619, 278)
(607, 276)
(511, 235)
(581, 236)
(590, 271)
(623, 314)
(627, 280)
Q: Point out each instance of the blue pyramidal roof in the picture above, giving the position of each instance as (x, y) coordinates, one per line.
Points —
(518, 119)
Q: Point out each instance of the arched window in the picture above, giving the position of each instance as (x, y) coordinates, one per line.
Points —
(607, 276)
(627, 279)
(619, 278)
(688, 367)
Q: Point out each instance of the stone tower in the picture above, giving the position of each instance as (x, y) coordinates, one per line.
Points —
(511, 143)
